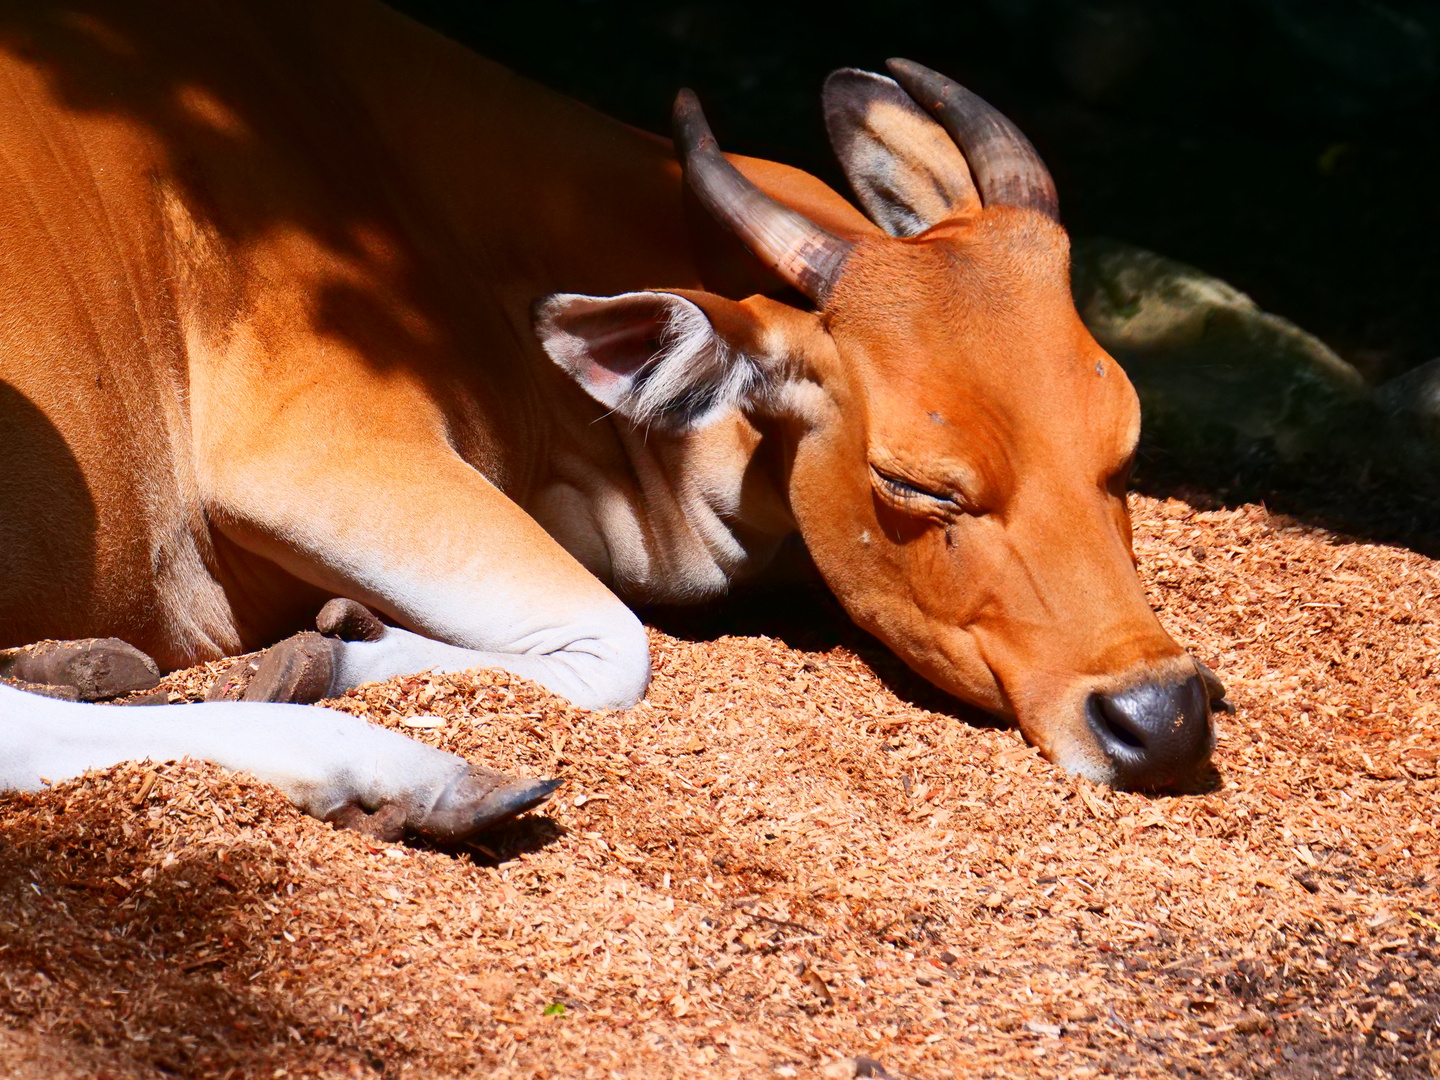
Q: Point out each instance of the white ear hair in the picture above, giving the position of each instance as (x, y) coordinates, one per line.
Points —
(652, 357)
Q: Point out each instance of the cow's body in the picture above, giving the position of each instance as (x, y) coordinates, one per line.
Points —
(271, 251)
(269, 333)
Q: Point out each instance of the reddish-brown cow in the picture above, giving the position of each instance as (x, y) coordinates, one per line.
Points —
(302, 300)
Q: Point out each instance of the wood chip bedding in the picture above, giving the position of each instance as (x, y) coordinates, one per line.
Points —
(791, 858)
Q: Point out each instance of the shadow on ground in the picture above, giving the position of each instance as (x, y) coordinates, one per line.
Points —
(801, 612)
(90, 918)
(1348, 498)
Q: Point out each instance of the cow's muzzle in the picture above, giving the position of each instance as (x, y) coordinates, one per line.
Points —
(1156, 733)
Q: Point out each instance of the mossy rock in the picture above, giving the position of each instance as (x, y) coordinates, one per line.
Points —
(1218, 378)
(1410, 404)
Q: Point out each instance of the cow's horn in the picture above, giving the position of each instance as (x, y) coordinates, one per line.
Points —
(797, 249)
(1006, 168)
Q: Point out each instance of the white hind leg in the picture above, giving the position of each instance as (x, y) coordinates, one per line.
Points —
(324, 761)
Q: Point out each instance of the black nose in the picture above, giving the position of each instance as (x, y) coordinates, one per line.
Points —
(1157, 734)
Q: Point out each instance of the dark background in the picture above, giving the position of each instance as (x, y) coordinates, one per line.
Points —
(1288, 146)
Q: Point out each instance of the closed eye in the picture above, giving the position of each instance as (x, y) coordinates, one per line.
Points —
(911, 497)
(905, 489)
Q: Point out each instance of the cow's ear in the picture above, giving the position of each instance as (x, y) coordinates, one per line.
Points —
(906, 171)
(656, 358)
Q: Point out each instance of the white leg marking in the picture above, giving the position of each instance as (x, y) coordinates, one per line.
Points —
(601, 663)
(320, 759)
(444, 552)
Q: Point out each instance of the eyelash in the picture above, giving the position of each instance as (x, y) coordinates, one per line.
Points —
(904, 490)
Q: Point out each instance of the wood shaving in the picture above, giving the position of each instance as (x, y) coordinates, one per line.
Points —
(792, 857)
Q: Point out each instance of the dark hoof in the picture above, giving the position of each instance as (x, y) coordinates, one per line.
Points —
(387, 823)
(63, 693)
(298, 671)
(480, 800)
(349, 621)
(97, 668)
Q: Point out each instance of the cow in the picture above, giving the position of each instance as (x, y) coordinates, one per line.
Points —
(302, 301)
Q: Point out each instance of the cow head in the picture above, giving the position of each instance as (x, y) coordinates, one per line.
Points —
(957, 443)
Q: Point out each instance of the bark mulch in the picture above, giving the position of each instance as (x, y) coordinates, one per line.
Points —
(791, 860)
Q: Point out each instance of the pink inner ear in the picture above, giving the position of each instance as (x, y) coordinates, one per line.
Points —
(620, 338)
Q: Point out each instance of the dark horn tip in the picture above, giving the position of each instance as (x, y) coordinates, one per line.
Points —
(899, 67)
(919, 79)
(691, 129)
(1007, 168)
(800, 252)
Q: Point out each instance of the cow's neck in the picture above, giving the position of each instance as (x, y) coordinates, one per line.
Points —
(667, 519)
(539, 194)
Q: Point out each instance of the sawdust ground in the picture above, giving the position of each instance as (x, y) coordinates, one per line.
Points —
(792, 854)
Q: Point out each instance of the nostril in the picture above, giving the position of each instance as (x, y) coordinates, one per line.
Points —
(1115, 721)
(1152, 731)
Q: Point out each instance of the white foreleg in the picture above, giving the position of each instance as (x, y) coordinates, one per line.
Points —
(417, 534)
(602, 665)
